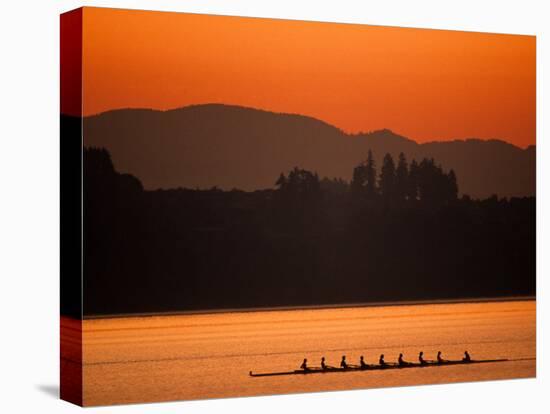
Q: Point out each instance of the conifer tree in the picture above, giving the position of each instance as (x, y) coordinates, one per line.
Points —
(387, 178)
(401, 178)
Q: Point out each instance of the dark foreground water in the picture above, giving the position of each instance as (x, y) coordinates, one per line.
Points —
(160, 358)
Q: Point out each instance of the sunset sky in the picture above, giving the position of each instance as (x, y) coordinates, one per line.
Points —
(424, 84)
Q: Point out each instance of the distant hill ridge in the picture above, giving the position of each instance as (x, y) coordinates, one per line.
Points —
(237, 147)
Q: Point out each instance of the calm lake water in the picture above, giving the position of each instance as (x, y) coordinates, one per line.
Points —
(143, 359)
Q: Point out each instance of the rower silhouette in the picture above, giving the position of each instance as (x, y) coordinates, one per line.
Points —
(304, 365)
(381, 360)
(466, 357)
(439, 359)
(362, 363)
(323, 365)
(401, 361)
(343, 363)
(421, 358)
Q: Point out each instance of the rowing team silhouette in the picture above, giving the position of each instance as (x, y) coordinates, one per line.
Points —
(400, 361)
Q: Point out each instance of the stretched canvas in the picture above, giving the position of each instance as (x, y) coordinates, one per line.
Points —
(258, 206)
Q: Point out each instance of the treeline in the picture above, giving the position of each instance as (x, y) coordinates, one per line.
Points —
(424, 182)
(400, 233)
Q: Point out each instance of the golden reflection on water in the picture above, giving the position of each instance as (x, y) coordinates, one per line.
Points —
(159, 358)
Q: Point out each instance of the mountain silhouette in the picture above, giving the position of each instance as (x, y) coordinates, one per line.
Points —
(215, 145)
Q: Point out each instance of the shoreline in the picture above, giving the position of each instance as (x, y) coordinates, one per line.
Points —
(311, 307)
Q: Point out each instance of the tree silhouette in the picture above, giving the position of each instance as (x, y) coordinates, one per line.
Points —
(412, 181)
(298, 199)
(452, 185)
(434, 186)
(401, 178)
(97, 162)
(387, 178)
(370, 176)
(363, 183)
(358, 181)
(281, 181)
(428, 181)
(300, 186)
(336, 186)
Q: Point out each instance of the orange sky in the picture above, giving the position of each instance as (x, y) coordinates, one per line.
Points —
(424, 84)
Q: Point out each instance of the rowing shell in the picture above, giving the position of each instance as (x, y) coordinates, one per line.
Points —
(374, 367)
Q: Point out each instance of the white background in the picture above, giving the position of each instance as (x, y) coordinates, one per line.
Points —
(29, 206)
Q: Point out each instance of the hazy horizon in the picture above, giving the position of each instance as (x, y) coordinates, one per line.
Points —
(451, 138)
(207, 145)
